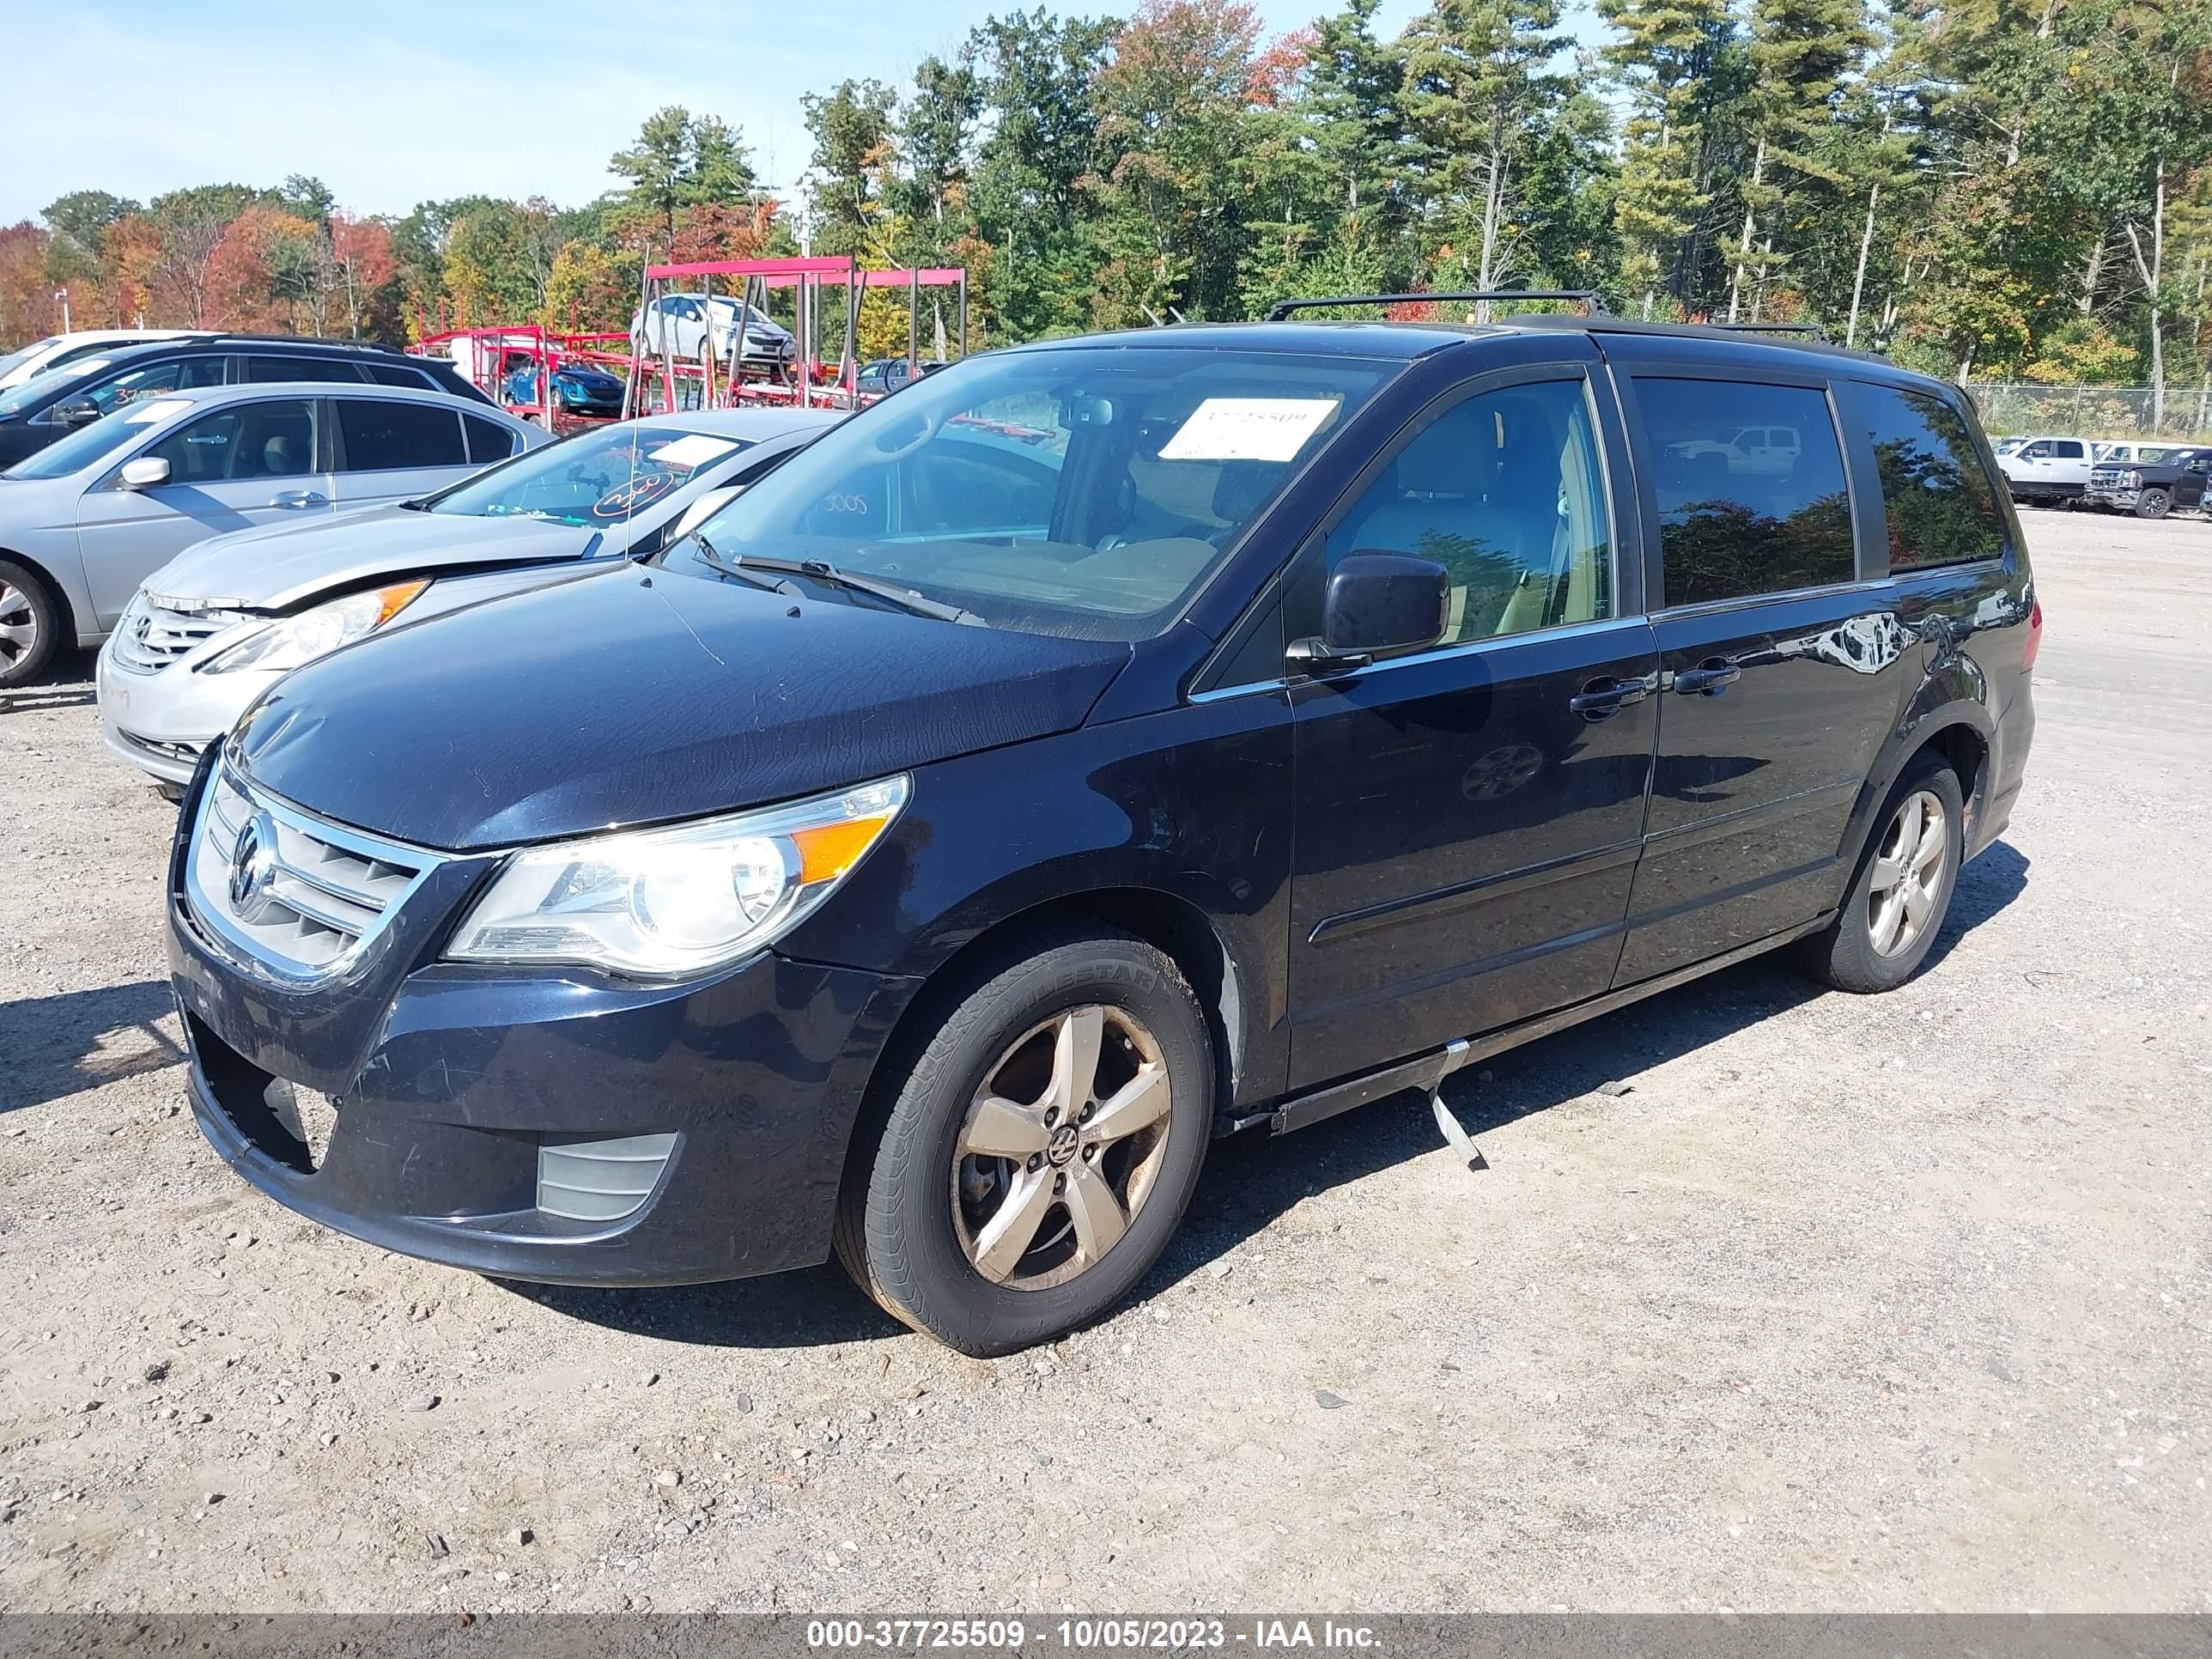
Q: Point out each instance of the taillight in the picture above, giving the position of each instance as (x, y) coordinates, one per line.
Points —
(2034, 636)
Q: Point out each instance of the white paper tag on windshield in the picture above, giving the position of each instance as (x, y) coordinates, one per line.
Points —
(694, 449)
(1248, 429)
(146, 414)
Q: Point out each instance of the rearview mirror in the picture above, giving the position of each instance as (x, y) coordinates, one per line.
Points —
(1376, 602)
(77, 414)
(145, 473)
(709, 503)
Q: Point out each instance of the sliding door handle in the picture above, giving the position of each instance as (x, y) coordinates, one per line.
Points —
(1709, 678)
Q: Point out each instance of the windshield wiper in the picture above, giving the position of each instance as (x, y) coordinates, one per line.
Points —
(823, 571)
(714, 560)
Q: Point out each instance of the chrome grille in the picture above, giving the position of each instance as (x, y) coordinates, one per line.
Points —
(2108, 477)
(321, 895)
(152, 636)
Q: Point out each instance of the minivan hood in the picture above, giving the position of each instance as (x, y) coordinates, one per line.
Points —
(275, 567)
(638, 696)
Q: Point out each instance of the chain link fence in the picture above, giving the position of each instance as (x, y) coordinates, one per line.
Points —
(2093, 411)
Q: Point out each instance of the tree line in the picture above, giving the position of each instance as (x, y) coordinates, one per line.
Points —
(1992, 189)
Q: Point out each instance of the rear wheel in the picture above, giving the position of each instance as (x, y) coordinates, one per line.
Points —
(1041, 1150)
(30, 618)
(2153, 504)
(1898, 900)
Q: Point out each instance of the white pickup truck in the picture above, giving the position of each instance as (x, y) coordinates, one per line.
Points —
(2048, 469)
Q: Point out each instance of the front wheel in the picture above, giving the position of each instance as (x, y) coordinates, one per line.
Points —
(2153, 504)
(1902, 891)
(1040, 1150)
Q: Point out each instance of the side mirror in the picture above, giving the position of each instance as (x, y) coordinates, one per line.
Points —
(147, 472)
(709, 503)
(1376, 602)
(77, 414)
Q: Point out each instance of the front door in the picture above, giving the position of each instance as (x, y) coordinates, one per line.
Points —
(1783, 672)
(239, 466)
(1469, 815)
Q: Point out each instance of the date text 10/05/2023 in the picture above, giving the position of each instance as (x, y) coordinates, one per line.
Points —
(1087, 1635)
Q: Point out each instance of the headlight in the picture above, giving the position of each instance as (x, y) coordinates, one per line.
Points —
(2134, 481)
(668, 904)
(316, 633)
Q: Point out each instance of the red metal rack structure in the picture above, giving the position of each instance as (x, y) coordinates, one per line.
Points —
(489, 355)
(748, 282)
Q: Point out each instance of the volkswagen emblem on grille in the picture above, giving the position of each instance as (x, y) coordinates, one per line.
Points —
(253, 868)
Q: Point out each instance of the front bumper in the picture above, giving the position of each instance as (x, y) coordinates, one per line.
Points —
(160, 722)
(453, 1084)
(2117, 499)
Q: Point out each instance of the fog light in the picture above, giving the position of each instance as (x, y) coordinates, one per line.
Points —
(599, 1180)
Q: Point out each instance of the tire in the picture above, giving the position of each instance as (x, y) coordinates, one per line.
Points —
(920, 1206)
(2153, 504)
(1847, 954)
(30, 623)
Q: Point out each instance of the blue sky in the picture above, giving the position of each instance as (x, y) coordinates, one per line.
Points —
(398, 101)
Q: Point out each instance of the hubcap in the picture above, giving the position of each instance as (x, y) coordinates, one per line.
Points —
(1908, 874)
(1062, 1146)
(19, 625)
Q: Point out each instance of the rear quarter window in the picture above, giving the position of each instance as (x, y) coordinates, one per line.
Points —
(1938, 502)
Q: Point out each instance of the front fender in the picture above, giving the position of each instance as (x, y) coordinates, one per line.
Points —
(1192, 805)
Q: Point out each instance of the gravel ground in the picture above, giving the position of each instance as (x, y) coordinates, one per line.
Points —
(1847, 1304)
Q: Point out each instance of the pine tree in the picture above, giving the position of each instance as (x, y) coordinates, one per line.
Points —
(1479, 94)
(1800, 51)
(1666, 61)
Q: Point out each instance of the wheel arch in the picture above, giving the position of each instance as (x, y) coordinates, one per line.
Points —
(1171, 923)
(55, 587)
(1949, 717)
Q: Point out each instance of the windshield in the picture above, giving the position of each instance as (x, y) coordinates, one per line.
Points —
(47, 381)
(1083, 491)
(92, 445)
(601, 477)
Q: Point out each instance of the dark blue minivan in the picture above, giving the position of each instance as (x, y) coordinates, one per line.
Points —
(1100, 747)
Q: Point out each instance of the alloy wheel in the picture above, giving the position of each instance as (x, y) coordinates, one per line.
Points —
(1908, 874)
(1061, 1145)
(19, 625)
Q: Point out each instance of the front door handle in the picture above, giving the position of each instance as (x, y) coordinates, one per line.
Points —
(298, 498)
(1707, 678)
(1605, 696)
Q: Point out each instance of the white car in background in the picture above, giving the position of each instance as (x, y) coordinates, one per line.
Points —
(56, 350)
(216, 628)
(680, 324)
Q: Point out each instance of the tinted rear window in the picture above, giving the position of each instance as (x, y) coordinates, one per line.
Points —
(1938, 501)
(1750, 484)
(376, 436)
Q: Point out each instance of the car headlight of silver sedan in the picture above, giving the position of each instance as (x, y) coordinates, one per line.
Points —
(297, 640)
(670, 903)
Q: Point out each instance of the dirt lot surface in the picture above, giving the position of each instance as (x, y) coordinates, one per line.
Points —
(1848, 1304)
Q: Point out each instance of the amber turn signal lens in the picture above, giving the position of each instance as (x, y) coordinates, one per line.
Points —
(827, 851)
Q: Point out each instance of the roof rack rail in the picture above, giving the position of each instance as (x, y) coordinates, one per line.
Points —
(1282, 309)
(1812, 329)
